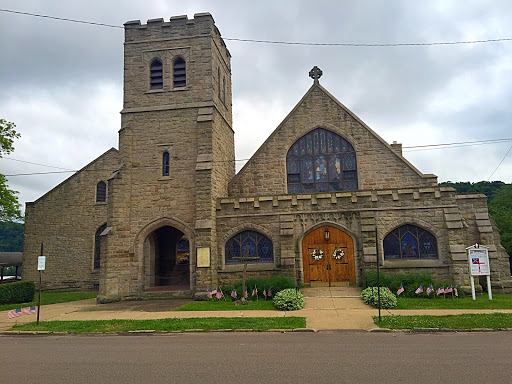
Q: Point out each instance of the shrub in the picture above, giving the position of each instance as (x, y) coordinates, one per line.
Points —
(387, 298)
(288, 300)
(19, 292)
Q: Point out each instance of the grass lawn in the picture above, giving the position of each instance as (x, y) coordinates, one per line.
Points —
(53, 298)
(466, 321)
(227, 306)
(482, 302)
(207, 324)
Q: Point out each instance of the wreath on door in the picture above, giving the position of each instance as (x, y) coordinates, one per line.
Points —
(317, 254)
(338, 253)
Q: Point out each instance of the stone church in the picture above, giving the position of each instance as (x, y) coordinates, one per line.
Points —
(321, 200)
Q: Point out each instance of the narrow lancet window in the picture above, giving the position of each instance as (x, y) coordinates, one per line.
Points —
(165, 164)
(156, 78)
(179, 73)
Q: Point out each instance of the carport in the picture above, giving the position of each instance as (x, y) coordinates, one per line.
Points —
(10, 259)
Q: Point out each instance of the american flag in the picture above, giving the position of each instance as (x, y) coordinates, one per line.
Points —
(455, 291)
(265, 293)
(419, 290)
(14, 313)
(214, 292)
(448, 290)
(209, 293)
(269, 293)
(233, 293)
(29, 310)
(219, 294)
(255, 291)
(245, 294)
(440, 290)
(400, 290)
(430, 290)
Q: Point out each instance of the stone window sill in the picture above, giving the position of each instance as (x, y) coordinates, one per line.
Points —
(165, 178)
(250, 267)
(99, 203)
(155, 91)
(413, 264)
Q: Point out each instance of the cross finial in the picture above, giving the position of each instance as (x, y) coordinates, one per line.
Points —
(315, 74)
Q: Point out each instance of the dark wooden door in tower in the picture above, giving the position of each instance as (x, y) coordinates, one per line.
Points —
(328, 257)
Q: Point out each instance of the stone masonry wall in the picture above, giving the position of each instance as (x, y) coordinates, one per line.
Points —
(378, 165)
(66, 220)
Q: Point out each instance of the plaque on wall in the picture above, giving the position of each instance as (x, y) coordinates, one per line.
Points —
(203, 257)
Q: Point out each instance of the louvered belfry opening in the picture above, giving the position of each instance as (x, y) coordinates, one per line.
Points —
(156, 75)
(179, 73)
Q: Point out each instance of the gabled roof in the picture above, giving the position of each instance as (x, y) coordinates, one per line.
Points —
(316, 86)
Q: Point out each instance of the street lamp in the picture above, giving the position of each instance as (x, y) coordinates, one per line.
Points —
(326, 234)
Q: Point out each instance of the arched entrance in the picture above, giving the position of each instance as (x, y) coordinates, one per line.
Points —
(328, 270)
(167, 253)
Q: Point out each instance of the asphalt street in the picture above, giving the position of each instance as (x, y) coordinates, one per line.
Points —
(270, 357)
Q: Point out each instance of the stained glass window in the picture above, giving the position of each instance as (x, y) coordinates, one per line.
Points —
(410, 242)
(165, 164)
(101, 192)
(250, 243)
(321, 161)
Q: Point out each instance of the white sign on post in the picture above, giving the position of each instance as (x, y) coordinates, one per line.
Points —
(41, 263)
(478, 257)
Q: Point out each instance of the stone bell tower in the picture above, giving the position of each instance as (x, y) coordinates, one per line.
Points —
(176, 150)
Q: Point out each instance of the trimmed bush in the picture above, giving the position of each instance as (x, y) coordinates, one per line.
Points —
(18, 292)
(370, 296)
(288, 300)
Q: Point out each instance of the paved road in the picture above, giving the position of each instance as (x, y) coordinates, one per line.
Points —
(325, 357)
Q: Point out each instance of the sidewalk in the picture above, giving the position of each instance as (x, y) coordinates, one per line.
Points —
(325, 309)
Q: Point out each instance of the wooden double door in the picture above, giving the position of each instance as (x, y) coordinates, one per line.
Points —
(327, 270)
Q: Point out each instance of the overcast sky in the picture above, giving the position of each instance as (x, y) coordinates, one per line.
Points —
(61, 82)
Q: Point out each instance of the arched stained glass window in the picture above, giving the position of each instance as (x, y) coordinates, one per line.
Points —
(165, 164)
(179, 73)
(97, 246)
(410, 242)
(321, 161)
(101, 192)
(252, 244)
(156, 75)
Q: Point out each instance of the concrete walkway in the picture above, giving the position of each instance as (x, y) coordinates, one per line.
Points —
(325, 309)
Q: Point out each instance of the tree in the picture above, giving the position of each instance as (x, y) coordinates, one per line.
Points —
(9, 205)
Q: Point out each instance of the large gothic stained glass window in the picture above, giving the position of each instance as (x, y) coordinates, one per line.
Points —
(252, 244)
(321, 161)
(410, 242)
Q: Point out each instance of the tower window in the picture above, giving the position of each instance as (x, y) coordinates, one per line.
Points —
(165, 164)
(101, 192)
(156, 78)
(179, 73)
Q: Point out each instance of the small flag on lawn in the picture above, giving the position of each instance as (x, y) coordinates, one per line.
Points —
(430, 290)
(455, 291)
(29, 310)
(219, 294)
(440, 290)
(233, 293)
(269, 293)
(419, 290)
(14, 313)
(448, 290)
(400, 290)
(245, 294)
(214, 292)
(255, 291)
(209, 293)
(265, 293)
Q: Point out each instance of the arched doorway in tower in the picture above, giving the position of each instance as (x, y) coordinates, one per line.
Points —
(167, 253)
(328, 257)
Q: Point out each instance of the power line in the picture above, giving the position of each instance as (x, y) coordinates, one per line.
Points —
(301, 43)
(504, 157)
(42, 165)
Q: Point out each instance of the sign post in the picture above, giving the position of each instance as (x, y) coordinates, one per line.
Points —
(41, 265)
(478, 257)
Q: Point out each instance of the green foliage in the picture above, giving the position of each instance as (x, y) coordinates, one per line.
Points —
(370, 296)
(289, 300)
(275, 283)
(52, 297)
(9, 206)
(465, 321)
(488, 188)
(11, 237)
(221, 305)
(18, 292)
(500, 209)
